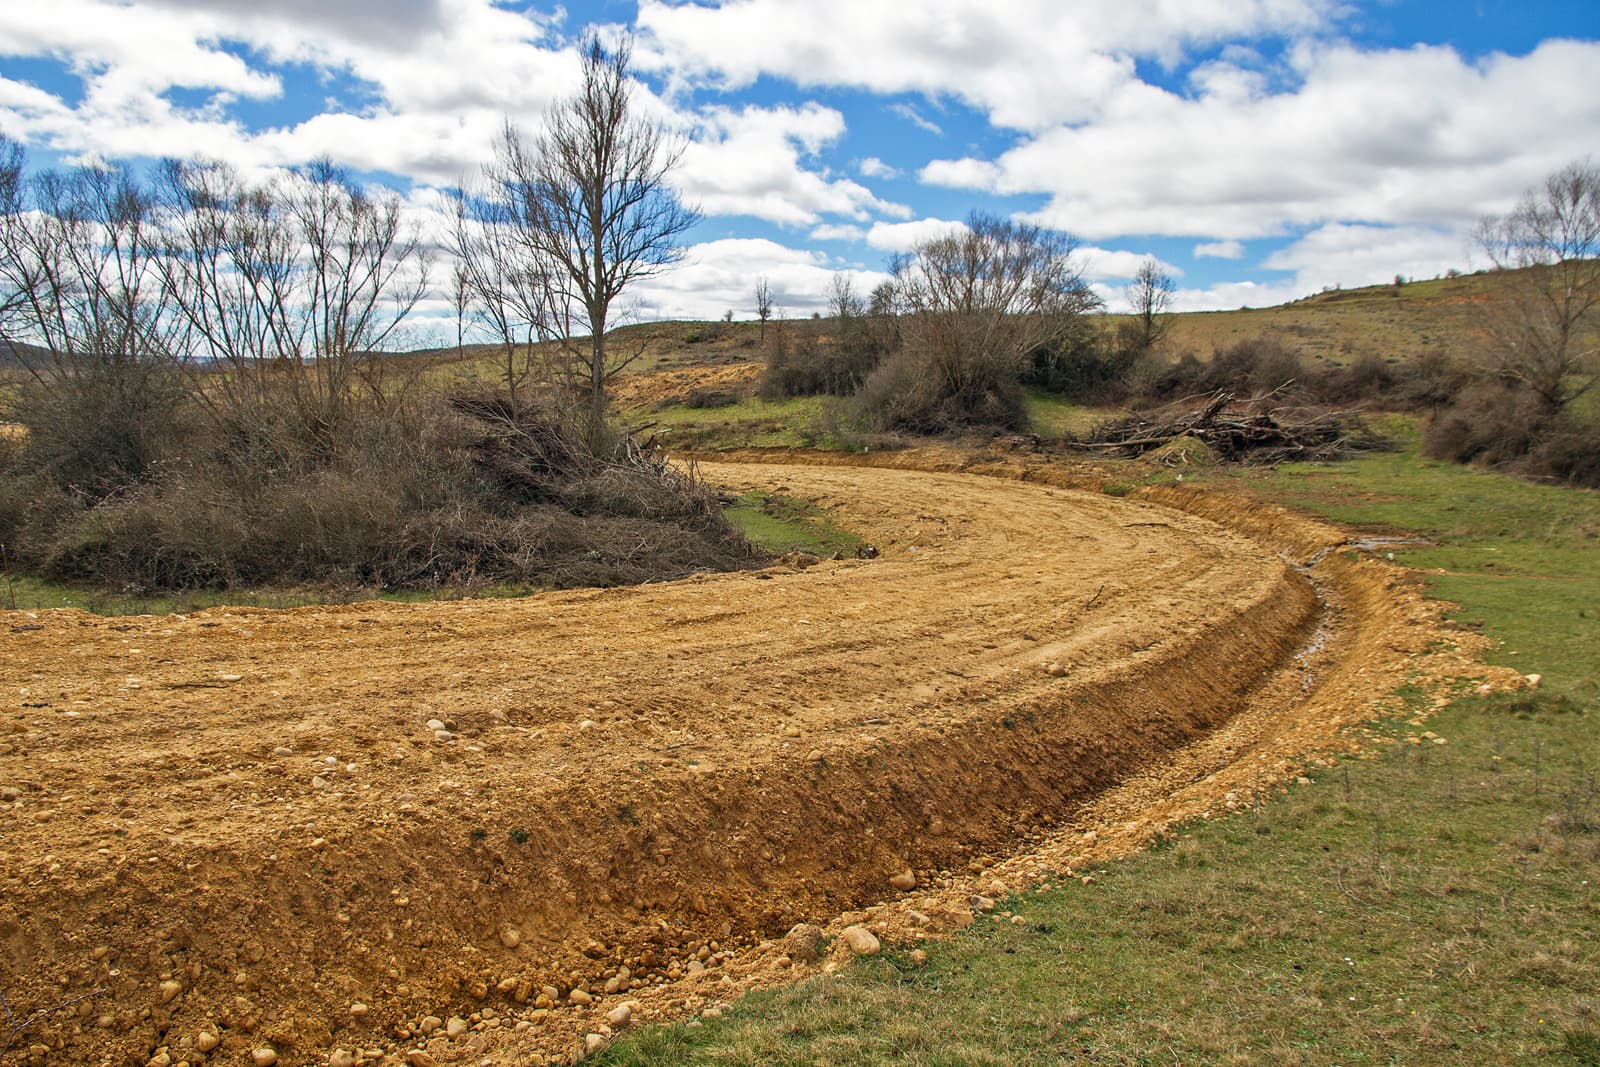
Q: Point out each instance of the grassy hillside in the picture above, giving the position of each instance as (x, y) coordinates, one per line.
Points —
(1399, 323)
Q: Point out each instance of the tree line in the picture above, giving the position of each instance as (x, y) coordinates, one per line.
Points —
(204, 375)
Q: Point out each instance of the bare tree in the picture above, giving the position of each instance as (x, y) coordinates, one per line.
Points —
(593, 189)
(763, 303)
(295, 286)
(505, 275)
(86, 315)
(1545, 331)
(11, 296)
(975, 304)
(1150, 294)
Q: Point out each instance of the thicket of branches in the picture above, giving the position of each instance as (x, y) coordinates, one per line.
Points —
(1541, 351)
(200, 391)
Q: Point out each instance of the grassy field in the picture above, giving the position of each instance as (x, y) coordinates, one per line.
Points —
(1434, 904)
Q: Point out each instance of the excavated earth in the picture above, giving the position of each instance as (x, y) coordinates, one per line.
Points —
(326, 831)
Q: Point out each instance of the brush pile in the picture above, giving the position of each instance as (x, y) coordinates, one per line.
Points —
(1251, 431)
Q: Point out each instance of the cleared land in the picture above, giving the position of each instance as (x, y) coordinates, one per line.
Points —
(314, 828)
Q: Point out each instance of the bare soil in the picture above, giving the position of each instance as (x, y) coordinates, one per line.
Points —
(240, 823)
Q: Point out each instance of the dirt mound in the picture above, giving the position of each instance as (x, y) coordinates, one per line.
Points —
(687, 385)
(334, 828)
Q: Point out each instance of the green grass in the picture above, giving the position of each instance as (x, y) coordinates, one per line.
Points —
(1051, 415)
(796, 422)
(21, 592)
(1434, 904)
(779, 524)
(1522, 560)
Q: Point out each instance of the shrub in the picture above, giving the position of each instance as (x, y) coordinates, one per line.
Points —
(974, 307)
(1503, 425)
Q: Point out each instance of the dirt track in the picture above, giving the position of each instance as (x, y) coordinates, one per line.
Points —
(250, 806)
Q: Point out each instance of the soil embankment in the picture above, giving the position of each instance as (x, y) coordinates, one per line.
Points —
(312, 829)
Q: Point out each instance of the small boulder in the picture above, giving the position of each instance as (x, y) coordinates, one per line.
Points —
(803, 943)
(861, 940)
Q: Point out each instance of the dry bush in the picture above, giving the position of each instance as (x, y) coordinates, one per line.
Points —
(901, 396)
(1492, 423)
(459, 494)
(829, 356)
(1504, 425)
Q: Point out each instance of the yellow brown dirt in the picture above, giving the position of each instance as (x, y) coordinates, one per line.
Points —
(240, 823)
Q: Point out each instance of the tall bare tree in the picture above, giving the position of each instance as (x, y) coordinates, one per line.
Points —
(295, 285)
(11, 297)
(1150, 294)
(975, 304)
(1545, 331)
(505, 278)
(86, 315)
(763, 303)
(592, 186)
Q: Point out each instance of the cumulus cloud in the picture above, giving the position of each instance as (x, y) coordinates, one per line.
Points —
(749, 162)
(1219, 250)
(1026, 64)
(719, 276)
(836, 232)
(1353, 255)
(1102, 263)
(904, 236)
(436, 78)
(873, 167)
(1403, 136)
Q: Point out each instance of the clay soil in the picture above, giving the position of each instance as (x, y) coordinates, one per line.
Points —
(312, 829)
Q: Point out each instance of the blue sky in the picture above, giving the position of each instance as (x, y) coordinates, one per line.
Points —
(1262, 149)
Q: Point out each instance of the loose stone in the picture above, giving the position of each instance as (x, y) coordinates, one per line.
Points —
(455, 1027)
(169, 990)
(861, 940)
(206, 1041)
(264, 1057)
(620, 1016)
(905, 881)
(594, 1044)
(804, 942)
(579, 996)
(341, 1058)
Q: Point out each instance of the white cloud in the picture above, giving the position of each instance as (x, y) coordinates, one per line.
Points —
(904, 236)
(1225, 296)
(1219, 250)
(719, 276)
(1354, 255)
(1101, 263)
(1027, 64)
(873, 167)
(835, 232)
(437, 78)
(1407, 136)
(749, 162)
(916, 118)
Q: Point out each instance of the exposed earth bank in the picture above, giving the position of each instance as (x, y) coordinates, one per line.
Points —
(471, 831)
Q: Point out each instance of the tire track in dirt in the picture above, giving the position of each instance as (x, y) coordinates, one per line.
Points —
(251, 807)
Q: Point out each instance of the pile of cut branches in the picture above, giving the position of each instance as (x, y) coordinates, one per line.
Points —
(1251, 431)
